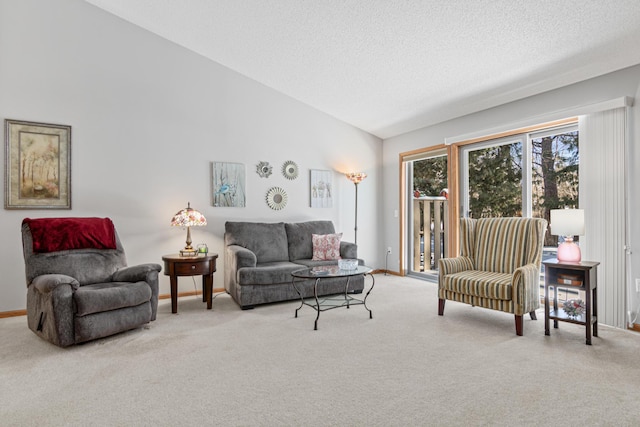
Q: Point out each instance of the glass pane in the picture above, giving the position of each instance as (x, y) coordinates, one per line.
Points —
(554, 184)
(495, 181)
(555, 160)
(429, 211)
(430, 176)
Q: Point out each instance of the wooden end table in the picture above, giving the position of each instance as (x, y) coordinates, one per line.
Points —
(572, 275)
(176, 265)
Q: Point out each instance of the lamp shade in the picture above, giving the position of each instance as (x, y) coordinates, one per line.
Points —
(188, 217)
(356, 177)
(567, 222)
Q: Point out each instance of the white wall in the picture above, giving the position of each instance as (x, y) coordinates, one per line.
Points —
(147, 119)
(547, 106)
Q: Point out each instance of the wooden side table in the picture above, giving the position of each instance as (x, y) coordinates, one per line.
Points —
(577, 275)
(176, 265)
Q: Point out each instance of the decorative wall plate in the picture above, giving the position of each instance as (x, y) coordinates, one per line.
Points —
(276, 198)
(290, 169)
(264, 169)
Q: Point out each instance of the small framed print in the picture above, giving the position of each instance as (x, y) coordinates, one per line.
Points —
(321, 189)
(37, 165)
(228, 185)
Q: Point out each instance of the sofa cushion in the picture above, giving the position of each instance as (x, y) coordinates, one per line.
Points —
(484, 284)
(268, 273)
(268, 241)
(110, 296)
(299, 237)
(326, 246)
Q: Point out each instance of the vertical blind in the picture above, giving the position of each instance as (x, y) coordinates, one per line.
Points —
(602, 196)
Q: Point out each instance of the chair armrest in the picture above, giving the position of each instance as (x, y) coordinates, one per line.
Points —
(47, 283)
(142, 273)
(526, 289)
(135, 273)
(348, 250)
(454, 265)
(239, 257)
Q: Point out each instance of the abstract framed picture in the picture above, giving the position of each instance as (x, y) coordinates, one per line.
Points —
(321, 189)
(37, 165)
(228, 185)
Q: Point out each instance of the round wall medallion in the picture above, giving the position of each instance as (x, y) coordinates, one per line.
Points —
(276, 198)
(264, 169)
(290, 170)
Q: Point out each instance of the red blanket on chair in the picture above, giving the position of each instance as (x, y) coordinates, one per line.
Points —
(59, 234)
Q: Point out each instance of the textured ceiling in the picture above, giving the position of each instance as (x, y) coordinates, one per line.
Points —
(392, 66)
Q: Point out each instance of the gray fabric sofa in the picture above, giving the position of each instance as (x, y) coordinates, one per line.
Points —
(259, 259)
(80, 294)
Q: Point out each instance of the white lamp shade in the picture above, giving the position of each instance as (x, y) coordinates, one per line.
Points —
(567, 222)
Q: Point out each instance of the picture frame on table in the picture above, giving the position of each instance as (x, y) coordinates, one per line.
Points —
(37, 165)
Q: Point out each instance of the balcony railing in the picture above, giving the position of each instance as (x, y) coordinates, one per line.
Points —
(430, 225)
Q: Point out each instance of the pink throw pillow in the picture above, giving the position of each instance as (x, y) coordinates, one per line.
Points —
(326, 246)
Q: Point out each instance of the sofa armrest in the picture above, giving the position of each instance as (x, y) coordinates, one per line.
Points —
(348, 250)
(239, 257)
(142, 273)
(135, 273)
(454, 265)
(50, 308)
(235, 258)
(526, 289)
(47, 283)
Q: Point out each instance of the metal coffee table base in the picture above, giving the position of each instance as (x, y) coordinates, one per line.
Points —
(332, 301)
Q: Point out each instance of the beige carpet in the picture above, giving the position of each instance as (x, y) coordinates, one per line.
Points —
(405, 367)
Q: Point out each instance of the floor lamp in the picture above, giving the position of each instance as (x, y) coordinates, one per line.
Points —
(356, 178)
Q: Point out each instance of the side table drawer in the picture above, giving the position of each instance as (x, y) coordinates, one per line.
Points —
(192, 268)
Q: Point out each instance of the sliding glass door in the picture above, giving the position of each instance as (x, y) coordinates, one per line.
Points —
(427, 213)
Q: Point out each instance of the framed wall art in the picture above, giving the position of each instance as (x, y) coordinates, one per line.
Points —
(37, 165)
(228, 184)
(321, 190)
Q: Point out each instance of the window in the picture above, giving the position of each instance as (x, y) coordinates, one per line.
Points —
(526, 174)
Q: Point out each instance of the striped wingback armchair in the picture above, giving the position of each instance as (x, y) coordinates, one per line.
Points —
(498, 266)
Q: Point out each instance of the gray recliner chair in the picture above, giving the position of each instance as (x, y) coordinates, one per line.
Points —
(79, 287)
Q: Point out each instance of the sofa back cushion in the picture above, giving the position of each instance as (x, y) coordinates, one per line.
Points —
(300, 240)
(504, 244)
(268, 241)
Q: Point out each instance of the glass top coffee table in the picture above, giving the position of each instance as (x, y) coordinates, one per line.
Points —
(330, 302)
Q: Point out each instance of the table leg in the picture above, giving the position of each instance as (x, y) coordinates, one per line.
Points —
(555, 306)
(315, 293)
(174, 293)
(364, 302)
(594, 308)
(208, 289)
(587, 318)
(546, 308)
(346, 292)
(293, 283)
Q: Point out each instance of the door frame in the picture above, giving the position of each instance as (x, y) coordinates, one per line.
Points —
(405, 191)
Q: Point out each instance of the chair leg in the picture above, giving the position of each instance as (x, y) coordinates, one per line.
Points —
(533, 315)
(518, 325)
(441, 306)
